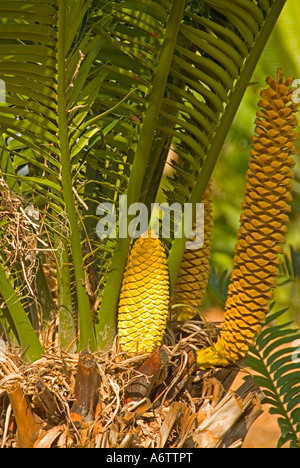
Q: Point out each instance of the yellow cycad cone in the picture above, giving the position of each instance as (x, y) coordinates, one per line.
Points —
(263, 225)
(144, 298)
(194, 270)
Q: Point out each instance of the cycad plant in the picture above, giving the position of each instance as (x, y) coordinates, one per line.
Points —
(97, 92)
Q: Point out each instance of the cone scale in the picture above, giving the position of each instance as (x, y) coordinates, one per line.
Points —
(194, 270)
(262, 226)
(144, 299)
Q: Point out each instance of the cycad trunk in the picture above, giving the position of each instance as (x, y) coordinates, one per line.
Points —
(85, 401)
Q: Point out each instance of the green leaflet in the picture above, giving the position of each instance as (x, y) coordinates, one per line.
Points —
(275, 359)
(36, 115)
(27, 338)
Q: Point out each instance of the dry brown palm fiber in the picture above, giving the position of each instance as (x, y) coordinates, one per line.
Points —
(144, 298)
(192, 279)
(263, 226)
(19, 235)
(167, 416)
(118, 371)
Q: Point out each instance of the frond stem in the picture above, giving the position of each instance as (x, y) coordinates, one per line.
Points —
(86, 331)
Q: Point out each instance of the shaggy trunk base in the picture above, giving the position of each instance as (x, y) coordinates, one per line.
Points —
(112, 400)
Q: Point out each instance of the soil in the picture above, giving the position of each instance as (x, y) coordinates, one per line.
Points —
(264, 432)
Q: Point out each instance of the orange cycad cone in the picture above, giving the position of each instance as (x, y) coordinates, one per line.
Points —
(263, 225)
(194, 270)
(144, 298)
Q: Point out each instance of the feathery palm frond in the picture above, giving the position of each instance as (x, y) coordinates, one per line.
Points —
(275, 359)
(46, 121)
(218, 284)
(290, 268)
(96, 93)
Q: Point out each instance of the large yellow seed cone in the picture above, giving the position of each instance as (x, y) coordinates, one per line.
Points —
(194, 270)
(144, 298)
(263, 226)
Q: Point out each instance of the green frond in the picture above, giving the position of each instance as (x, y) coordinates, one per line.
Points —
(290, 269)
(227, 39)
(218, 284)
(28, 340)
(275, 360)
(46, 67)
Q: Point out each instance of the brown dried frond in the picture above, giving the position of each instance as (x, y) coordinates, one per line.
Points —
(117, 417)
(18, 237)
(21, 243)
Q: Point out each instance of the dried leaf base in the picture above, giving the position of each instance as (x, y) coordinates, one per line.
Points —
(110, 400)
